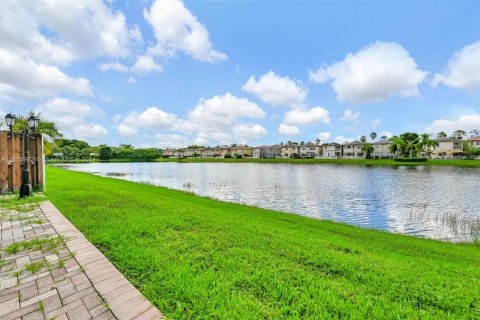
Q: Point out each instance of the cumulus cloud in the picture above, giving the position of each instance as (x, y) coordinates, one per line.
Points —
(463, 70)
(350, 115)
(246, 131)
(288, 130)
(373, 74)
(177, 29)
(304, 117)
(341, 139)
(22, 77)
(324, 136)
(218, 119)
(277, 90)
(171, 141)
(466, 122)
(145, 64)
(74, 119)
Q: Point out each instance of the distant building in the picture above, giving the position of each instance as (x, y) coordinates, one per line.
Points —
(246, 152)
(267, 152)
(290, 151)
(382, 150)
(310, 150)
(353, 150)
(448, 148)
(331, 150)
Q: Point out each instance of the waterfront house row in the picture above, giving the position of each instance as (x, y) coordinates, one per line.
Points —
(448, 148)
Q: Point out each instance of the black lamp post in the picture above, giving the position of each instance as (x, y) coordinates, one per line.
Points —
(26, 188)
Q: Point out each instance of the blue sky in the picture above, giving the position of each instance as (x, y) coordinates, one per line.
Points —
(166, 73)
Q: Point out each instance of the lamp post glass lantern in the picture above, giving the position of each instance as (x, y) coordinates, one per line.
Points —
(10, 120)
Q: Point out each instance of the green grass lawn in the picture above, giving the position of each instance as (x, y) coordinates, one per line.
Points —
(462, 163)
(196, 258)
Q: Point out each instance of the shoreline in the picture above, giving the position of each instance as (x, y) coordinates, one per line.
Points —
(369, 162)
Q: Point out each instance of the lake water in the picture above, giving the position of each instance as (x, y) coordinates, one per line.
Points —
(437, 202)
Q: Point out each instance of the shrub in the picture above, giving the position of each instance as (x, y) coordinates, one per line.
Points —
(227, 156)
(410, 159)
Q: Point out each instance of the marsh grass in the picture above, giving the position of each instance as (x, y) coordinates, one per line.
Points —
(196, 258)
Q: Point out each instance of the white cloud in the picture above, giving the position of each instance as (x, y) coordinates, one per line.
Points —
(341, 139)
(288, 130)
(116, 66)
(74, 119)
(217, 119)
(324, 136)
(376, 123)
(145, 64)
(350, 115)
(466, 122)
(463, 70)
(25, 78)
(245, 131)
(177, 29)
(276, 90)
(373, 74)
(171, 141)
(300, 117)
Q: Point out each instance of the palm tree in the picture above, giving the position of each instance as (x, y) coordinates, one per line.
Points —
(48, 128)
(373, 135)
(441, 135)
(384, 138)
(317, 141)
(458, 134)
(475, 132)
(363, 139)
(368, 149)
(426, 144)
(397, 146)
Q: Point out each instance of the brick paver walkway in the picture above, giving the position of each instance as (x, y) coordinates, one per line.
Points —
(49, 270)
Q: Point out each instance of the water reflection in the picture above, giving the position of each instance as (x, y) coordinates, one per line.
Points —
(424, 201)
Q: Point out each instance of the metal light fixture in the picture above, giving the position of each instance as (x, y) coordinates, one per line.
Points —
(10, 119)
(33, 122)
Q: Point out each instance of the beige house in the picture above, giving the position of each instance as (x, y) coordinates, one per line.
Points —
(310, 150)
(290, 151)
(169, 153)
(192, 153)
(448, 148)
(474, 141)
(225, 151)
(246, 152)
(382, 150)
(331, 150)
(353, 150)
(210, 153)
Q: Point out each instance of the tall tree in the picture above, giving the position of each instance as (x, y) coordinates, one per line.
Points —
(368, 149)
(441, 135)
(317, 141)
(48, 128)
(373, 135)
(475, 132)
(363, 139)
(458, 134)
(384, 138)
(426, 144)
(397, 146)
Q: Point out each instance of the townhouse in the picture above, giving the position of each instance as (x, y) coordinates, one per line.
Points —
(210, 153)
(310, 150)
(331, 150)
(382, 150)
(267, 152)
(245, 152)
(290, 151)
(448, 148)
(352, 150)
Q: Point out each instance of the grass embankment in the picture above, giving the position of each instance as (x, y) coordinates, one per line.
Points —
(199, 258)
(389, 162)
